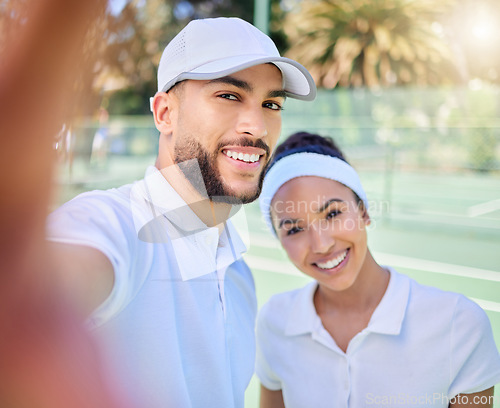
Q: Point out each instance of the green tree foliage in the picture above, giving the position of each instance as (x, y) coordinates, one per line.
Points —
(370, 42)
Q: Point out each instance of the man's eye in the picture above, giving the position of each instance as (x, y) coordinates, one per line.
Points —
(229, 96)
(273, 106)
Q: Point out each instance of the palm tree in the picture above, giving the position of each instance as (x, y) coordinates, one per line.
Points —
(370, 42)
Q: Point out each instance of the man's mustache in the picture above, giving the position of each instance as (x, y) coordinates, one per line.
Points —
(244, 142)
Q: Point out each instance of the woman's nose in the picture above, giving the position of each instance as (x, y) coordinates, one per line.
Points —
(321, 237)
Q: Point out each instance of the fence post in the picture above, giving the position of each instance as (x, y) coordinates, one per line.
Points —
(261, 15)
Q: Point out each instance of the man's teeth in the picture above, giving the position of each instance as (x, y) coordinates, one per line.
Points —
(333, 262)
(249, 158)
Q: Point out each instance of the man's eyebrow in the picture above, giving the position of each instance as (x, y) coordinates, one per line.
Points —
(238, 83)
(279, 93)
(326, 205)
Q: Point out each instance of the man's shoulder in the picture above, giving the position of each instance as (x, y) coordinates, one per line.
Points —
(97, 203)
(111, 197)
(104, 210)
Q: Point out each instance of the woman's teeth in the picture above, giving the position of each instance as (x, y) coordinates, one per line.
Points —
(333, 262)
(248, 158)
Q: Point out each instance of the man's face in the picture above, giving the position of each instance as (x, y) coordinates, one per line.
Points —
(230, 125)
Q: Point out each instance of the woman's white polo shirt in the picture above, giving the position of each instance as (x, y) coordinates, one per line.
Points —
(422, 347)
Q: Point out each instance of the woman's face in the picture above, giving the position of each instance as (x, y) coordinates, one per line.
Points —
(322, 228)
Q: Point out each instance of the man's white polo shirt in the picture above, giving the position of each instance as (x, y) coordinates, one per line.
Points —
(422, 347)
(178, 327)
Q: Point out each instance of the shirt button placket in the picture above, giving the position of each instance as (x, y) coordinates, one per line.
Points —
(346, 375)
(209, 240)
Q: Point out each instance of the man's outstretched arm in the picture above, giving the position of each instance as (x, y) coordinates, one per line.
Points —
(47, 360)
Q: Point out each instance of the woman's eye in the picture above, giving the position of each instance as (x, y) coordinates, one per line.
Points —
(273, 106)
(293, 231)
(333, 214)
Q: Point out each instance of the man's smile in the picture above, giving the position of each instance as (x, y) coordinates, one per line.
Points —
(245, 154)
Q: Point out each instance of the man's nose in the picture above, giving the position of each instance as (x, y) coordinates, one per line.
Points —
(251, 121)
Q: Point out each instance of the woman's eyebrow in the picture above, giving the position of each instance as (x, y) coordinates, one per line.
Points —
(288, 221)
(327, 204)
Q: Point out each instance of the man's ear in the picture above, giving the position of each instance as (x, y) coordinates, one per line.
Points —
(161, 106)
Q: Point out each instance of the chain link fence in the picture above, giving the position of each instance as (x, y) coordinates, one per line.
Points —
(431, 156)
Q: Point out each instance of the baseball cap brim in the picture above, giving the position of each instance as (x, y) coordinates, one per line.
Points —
(297, 82)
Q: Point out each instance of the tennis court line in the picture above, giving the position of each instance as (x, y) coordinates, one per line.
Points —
(436, 267)
(483, 208)
(487, 304)
(270, 265)
(261, 240)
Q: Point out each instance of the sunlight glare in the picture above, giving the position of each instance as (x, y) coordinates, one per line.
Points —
(484, 30)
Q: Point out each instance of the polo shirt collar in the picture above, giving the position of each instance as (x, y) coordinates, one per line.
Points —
(303, 317)
(230, 238)
(389, 315)
(386, 319)
(161, 200)
(161, 215)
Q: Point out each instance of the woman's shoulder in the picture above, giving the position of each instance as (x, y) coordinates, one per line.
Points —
(284, 300)
(426, 293)
(436, 301)
(278, 309)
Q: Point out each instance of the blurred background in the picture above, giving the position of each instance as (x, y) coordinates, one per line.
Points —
(408, 88)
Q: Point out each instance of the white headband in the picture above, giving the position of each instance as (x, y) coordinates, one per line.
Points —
(307, 164)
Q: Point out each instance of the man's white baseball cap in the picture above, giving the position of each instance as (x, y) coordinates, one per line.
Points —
(215, 47)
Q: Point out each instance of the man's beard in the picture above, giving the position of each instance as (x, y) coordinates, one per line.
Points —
(192, 159)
